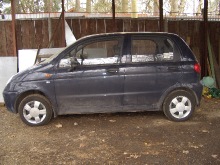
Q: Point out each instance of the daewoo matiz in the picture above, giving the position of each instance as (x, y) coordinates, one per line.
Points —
(106, 73)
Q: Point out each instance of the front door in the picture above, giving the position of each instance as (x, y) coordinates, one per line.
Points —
(96, 84)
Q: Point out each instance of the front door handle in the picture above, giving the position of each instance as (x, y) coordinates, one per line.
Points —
(112, 70)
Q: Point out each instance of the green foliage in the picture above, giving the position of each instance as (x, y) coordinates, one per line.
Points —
(106, 6)
(7, 10)
(103, 6)
(34, 6)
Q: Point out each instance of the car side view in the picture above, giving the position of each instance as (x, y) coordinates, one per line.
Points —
(107, 73)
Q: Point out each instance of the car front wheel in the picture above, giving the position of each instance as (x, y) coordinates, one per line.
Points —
(179, 105)
(35, 110)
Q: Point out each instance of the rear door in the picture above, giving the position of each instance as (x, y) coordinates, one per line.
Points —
(140, 73)
(169, 68)
(151, 67)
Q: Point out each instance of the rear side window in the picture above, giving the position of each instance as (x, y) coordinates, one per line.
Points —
(165, 50)
(143, 50)
(150, 49)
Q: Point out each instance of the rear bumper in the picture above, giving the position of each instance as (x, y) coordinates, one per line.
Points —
(198, 92)
(10, 99)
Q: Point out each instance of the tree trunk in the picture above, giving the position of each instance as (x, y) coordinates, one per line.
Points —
(88, 6)
(182, 6)
(77, 8)
(125, 6)
(173, 7)
(134, 13)
(156, 7)
(199, 8)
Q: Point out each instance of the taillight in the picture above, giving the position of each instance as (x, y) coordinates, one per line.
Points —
(197, 68)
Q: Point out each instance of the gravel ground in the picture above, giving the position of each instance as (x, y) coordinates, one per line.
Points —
(123, 138)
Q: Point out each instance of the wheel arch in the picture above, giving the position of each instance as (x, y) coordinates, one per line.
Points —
(169, 91)
(29, 92)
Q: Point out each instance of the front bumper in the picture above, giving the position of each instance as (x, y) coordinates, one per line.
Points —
(10, 100)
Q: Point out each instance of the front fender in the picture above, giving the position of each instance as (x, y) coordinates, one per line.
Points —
(44, 87)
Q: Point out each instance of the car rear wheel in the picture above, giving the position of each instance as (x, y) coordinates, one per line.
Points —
(179, 105)
(35, 110)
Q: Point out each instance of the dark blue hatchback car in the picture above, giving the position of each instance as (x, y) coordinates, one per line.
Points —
(106, 73)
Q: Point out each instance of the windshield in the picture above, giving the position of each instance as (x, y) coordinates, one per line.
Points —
(47, 60)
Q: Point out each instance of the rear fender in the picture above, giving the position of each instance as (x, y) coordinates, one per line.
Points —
(176, 87)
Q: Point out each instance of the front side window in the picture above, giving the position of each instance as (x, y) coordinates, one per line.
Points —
(99, 52)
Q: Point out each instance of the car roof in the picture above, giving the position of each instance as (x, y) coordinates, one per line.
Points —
(129, 33)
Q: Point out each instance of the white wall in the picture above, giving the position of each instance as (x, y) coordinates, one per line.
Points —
(8, 67)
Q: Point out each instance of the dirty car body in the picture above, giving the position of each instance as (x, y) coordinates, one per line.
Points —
(105, 73)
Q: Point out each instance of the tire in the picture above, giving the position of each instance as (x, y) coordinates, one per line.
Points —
(179, 105)
(35, 110)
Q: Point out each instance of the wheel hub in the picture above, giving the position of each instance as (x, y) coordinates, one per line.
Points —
(34, 112)
(180, 107)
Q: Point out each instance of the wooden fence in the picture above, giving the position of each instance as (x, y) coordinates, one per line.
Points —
(32, 33)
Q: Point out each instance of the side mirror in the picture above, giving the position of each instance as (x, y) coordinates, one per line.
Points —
(69, 63)
(65, 63)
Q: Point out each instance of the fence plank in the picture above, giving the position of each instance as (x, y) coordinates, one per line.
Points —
(152, 26)
(45, 39)
(118, 25)
(190, 33)
(126, 25)
(39, 33)
(25, 34)
(84, 27)
(141, 25)
(9, 40)
(92, 26)
(3, 45)
(110, 26)
(32, 34)
(76, 27)
(101, 28)
(19, 34)
(183, 29)
(172, 27)
(134, 25)
(57, 32)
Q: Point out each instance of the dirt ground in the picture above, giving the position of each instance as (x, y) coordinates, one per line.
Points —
(123, 138)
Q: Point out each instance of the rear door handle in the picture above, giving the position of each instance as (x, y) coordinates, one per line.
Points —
(173, 68)
(112, 70)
